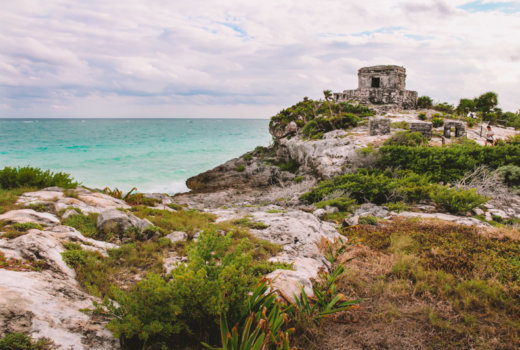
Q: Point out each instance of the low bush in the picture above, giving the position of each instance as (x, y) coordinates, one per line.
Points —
(298, 179)
(424, 102)
(456, 200)
(406, 138)
(437, 122)
(510, 174)
(291, 166)
(400, 125)
(343, 204)
(368, 220)
(186, 308)
(240, 168)
(422, 116)
(448, 164)
(20, 341)
(11, 177)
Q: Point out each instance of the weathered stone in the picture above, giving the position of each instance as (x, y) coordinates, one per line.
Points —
(29, 215)
(459, 127)
(478, 211)
(279, 131)
(351, 221)
(422, 127)
(319, 213)
(381, 85)
(177, 236)
(446, 217)
(372, 210)
(379, 126)
(69, 213)
(116, 221)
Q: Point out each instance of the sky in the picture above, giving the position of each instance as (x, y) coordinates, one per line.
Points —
(244, 59)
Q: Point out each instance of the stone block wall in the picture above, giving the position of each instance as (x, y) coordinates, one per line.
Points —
(460, 129)
(423, 128)
(379, 126)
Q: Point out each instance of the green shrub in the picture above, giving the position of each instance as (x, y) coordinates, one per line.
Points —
(343, 204)
(422, 116)
(424, 102)
(27, 176)
(510, 174)
(406, 138)
(240, 167)
(290, 166)
(20, 341)
(26, 226)
(444, 107)
(186, 307)
(437, 122)
(456, 200)
(374, 187)
(447, 164)
(397, 206)
(368, 220)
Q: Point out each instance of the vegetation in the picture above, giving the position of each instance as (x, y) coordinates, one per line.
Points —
(130, 197)
(448, 285)
(424, 102)
(321, 116)
(20, 341)
(8, 198)
(406, 138)
(18, 229)
(437, 122)
(11, 177)
(86, 224)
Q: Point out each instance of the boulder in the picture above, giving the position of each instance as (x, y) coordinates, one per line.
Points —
(177, 236)
(319, 213)
(351, 221)
(116, 221)
(369, 209)
(29, 215)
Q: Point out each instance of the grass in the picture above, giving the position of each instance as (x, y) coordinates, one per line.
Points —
(86, 224)
(275, 211)
(20, 265)
(19, 229)
(124, 265)
(9, 197)
(463, 285)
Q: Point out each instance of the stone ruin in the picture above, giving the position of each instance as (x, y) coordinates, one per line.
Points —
(381, 85)
(424, 128)
(459, 127)
(379, 126)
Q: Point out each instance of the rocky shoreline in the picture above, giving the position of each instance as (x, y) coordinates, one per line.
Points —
(263, 185)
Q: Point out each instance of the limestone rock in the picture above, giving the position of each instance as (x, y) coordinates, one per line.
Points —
(177, 236)
(46, 303)
(462, 220)
(372, 210)
(29, 215)
(319, 213)
(351, 221)
(116, 221)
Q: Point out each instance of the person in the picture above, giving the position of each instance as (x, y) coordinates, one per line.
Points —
(490, 136)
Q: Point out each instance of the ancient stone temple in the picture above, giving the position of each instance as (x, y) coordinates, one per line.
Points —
(381, 85)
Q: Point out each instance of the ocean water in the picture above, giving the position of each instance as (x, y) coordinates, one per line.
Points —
(154, 155)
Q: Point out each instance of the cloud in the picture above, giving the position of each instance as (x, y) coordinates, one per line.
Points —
(243, 59)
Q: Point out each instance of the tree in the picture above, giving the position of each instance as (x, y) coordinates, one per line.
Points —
(328, 97)
(424, 102)
(466, 105)
(486, 102)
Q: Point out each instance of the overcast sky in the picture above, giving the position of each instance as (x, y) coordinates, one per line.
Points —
(236, 58)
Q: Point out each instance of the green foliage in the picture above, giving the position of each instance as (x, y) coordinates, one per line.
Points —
(424, 102)
(290, 166)
(510, 174)
(11, 177)
(20, 341)
(437, 122)
(368, 220)
(8, 198)
(400, 125)
(187, 306)
(86, 224)
(189, 221)
(343, 204)
(240, 168)
(19, 229)
(444, 107)
(487, 101)
(422, 116)
(406, 138)
(456, 200)
(448, 164)
(397, 206)
(374, 187)
(466, 105)
(264, 327)
(298, 179)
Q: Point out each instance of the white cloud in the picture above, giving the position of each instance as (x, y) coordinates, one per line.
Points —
(235, 58)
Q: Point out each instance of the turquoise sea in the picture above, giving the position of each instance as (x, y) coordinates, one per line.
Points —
(154, 155)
